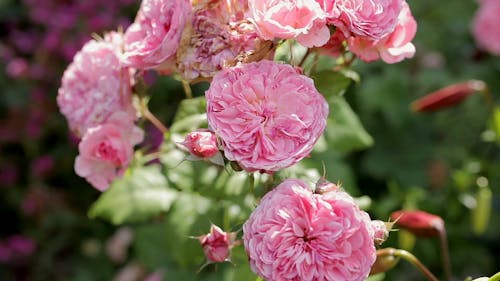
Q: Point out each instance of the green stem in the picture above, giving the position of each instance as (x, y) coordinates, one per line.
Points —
(413, 260)
(157, 123)
(445, 253)
(187, 89)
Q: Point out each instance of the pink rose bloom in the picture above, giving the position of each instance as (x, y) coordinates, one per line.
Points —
(297, 235)
(368, 18)
(95, 85)
(219, 34)
(217, 244)
(267, 115)
(303, 20)
(201, 143)
(106, 150)
(393, 48)
(486, 26)
(153, 39)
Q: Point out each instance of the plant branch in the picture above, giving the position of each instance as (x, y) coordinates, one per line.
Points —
(445, 253)
(157, 123)
(187, 89)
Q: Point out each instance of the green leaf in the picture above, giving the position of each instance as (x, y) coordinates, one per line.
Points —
(142, 192)
(190, 107)
(332, 83)
(344, 130)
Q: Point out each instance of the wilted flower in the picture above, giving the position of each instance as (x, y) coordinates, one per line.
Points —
(303, 20)
(153, 39)
(485, 26)
(295, 234)
(267, 115)
(95, 85)
(373, 19)
(218, 35)
(217, 244)
(106, 150)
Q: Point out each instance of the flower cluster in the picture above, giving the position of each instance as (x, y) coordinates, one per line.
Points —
(263, 116)
(95, 97)
(485, 26)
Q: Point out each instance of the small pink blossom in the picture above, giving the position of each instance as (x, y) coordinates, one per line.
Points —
(201, 143)
(217, 244)
(486, 26)
(153, 39)
(95, 85)
(373, 19)
(295, 234)
(267, 115)
(303, 20)
(394, 47)
(106, 150)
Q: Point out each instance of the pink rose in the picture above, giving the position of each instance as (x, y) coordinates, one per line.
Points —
(295, 234)
(201, 143)
(267, 115)
(373, 19)
(95, 85)
(217, 244)
(303, 20)
(394, 47)
(153, 39)
(486, 26)
(106, 150)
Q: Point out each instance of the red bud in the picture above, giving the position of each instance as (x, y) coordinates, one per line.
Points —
(419, 223)
(447, 96)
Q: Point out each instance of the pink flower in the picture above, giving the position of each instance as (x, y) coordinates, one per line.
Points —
(267, 115)
(106, 150)
(219, 35)
(486, 26)
(155, 35)
(296, 235)
(217, 244)
(95, 85)
(368, 18)
(201, 143)
(303, 20)
(394, 47)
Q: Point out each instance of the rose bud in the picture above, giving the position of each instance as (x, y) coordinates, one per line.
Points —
(447, 96)
(201, 143)
(381, 231)
(419, 223)
(217, 244)
(324, 186)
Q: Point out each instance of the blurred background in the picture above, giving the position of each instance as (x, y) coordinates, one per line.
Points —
(445, 162)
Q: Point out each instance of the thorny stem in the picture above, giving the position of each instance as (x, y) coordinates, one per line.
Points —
(187, 89)
(304, 58)
(157, 123)
(410, 258)
(445, 253)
